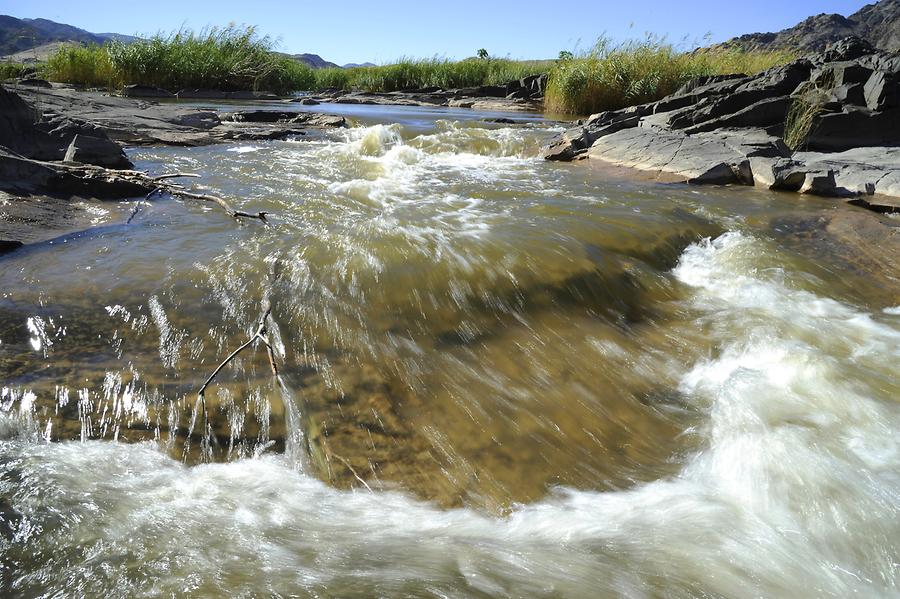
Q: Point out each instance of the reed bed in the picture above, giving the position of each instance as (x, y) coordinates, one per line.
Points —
(409, 73)
(611, 76)
(230, 59)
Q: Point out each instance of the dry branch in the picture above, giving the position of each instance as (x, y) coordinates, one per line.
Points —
(221, 202)
(259, 334)
(175, 176)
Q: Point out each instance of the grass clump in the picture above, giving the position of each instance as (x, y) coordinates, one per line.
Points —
(15, 70)
(808, 103)
(612, 76)
(82, 65)
(409, 73)
(232, 58)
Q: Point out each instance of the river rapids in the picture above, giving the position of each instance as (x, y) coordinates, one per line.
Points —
(498, 377)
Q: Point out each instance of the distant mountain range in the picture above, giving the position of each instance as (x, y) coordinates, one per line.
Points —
(879, 23)
(317, 62)
(17, 35)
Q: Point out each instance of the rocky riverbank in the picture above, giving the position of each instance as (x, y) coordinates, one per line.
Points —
(60, 146)
(524, 94)
(732, 129)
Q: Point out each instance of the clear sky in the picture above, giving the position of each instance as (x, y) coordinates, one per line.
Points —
(369, 30)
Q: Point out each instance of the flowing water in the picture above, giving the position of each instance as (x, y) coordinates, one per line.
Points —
(497, 377)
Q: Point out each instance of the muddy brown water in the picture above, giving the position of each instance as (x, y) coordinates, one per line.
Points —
(475, 346)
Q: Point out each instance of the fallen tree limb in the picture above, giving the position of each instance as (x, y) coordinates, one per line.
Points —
(260, 334)
(221, 202)
(88, 180)
(174, 176)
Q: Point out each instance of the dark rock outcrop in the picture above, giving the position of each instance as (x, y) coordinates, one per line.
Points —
(878, 23)
(7, 246)
(134, 121)
(100, 151)
(27, 132)
(145, 91)
(730, 129)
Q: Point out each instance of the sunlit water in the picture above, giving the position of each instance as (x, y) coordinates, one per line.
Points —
(498, 377)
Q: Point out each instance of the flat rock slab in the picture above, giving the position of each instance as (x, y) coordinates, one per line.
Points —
(861, 171)
(139, 122)
(696, 158)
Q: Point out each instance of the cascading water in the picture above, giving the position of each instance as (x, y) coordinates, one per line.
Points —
(497, 377)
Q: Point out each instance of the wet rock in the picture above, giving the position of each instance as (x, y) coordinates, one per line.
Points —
(864, 246)
(21, 174)
(145, 91)
(97, 150)
(7, 246)
(32, 82)
(698, 159)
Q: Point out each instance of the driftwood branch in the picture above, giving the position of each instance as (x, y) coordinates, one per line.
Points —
(258, 335)
(221, 202)
(174, 176)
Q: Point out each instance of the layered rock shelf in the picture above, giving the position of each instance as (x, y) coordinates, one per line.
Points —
(732, 129)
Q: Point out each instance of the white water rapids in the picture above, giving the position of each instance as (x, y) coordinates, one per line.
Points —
(795, 492)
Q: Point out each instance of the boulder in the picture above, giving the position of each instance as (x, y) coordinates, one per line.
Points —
(697, 158)
(34, 82)
(777, 173)
(852, 94)
(849, 48)
(28, 133)
(882, 91)
(705, 83)
(764, 113)
(99, 151)
(145, 91)
(840, 73)
(853, 128)
(780, 80)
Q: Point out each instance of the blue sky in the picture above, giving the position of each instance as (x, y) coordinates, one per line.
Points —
(368, 30)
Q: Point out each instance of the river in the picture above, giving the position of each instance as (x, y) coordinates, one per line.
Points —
(497, 377)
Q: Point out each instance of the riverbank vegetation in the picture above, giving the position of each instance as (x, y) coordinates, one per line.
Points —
(11, 70)
(229, 59)
(409, 73)
(608, 76)
(611, 76)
